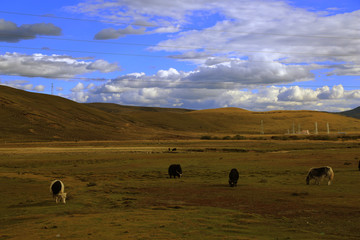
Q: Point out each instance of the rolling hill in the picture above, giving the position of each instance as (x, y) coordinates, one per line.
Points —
(26, 116)
(355, 113)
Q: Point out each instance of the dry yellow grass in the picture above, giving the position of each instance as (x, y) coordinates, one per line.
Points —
(120, 190)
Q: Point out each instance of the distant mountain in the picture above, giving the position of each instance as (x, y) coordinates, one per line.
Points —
(355, 113)
(26, 116)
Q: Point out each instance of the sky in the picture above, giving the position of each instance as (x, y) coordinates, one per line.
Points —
(259, 55)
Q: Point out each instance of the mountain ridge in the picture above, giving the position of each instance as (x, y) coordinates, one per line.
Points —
(27, 116)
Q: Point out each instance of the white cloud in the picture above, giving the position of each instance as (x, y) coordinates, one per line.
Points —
(297, 94)
(345, 70)
(39, 88)
(81, 97)
(249, 73)
(271, 30)
(255, 29)
(336, 92)
(152, 12)
(27, 87)
(253, 44)
(103, 66)
(50, 66)
(222, 85)
(111, 33)
(78, 88)
(168, 74)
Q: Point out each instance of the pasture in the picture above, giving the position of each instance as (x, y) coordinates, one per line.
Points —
(121, 190)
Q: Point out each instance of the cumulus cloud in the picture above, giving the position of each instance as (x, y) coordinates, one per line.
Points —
(272, 30)
(153, 13)
(222, 85)
(102, 66)
(253, 44)
(10, 32)
(264, 99)
(111, 33)
(39, 88)
(78, 88)
(249, 73)
(252, 29)
(50, 66)
(344, 70)
(24, 85)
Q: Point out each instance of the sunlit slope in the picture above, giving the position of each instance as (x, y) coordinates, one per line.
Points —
(26, 116)
(276, 122)
(231, 120)
(32, 116)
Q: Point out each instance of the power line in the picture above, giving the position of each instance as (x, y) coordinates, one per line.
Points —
(169, 56)
(176, 47)
(178, 84)
(183, 28)
(87, 52)
(138, 55)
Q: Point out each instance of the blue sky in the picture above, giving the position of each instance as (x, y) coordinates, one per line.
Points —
(258, 55)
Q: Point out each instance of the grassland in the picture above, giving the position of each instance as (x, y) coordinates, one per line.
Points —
(120, 190)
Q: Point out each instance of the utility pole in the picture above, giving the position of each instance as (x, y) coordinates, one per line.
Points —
(261, 127)
(293, 128)
(328, 128)
(52, 88)
(316, 128)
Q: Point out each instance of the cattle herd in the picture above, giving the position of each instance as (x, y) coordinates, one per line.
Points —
(174, 170)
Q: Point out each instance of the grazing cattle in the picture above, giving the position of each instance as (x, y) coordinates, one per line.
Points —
(233, 177)
(173, 150)
(57, 189)
(318, 174)
(175, 170)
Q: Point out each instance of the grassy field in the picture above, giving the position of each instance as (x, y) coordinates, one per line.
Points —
(121, 190)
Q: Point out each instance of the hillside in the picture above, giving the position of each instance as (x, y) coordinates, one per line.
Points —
(355, 113)
(32, 117)
(26, 116)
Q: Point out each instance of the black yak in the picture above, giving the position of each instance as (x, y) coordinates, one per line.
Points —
(175, 170)
(233, 177)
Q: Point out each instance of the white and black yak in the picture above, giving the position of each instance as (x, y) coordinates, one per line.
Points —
(175, 170)
(318, 174)
(233, 177)
(57, 189)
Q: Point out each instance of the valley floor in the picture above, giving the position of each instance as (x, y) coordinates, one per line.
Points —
(121, 190)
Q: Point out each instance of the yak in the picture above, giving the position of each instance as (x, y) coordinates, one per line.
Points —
(175, 170)
(318, 174)
(233, 177)
(57, 189)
